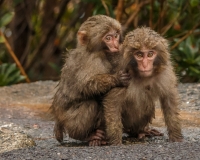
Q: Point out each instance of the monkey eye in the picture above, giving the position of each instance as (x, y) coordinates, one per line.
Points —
(116, 35)
(108, 38)
(139, 55)
(150, 54)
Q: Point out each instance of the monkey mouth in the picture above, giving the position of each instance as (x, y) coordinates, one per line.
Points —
(144, 71)
(113, 50)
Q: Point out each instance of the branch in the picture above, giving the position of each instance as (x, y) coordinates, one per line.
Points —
(128, 22)
(42, 43)
(169, 25)
(120, 6)
(14, 57)
(184, 37)
(106, 7)
(162, 13)
(177, 35)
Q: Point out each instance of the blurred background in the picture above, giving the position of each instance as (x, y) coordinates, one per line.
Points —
(34, 34)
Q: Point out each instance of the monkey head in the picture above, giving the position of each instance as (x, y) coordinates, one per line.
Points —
(99, 33)
(145, 51)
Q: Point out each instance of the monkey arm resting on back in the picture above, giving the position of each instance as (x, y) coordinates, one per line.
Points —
(98, 84)
(94, 77)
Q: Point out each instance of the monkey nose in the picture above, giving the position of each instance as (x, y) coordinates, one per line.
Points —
(144, 64)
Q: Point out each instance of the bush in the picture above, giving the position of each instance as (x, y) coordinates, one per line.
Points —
(9, 74)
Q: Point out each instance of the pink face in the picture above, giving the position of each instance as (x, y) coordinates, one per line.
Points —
(145, 59)
(111, 39)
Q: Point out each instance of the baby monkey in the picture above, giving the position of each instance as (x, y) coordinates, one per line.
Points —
(147, 59)
(88, 74)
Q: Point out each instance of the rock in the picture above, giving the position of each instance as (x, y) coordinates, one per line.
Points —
(13, 139)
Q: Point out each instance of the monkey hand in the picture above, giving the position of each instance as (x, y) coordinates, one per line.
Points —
(97, 138)
(149, 133)
(124, 78)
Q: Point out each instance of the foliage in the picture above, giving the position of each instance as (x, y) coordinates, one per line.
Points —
(187, 58)
(6, 19)
(40, 31)
(9, 74)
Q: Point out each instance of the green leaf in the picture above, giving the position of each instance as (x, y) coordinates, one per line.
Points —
(9, 74)
(195, 70)
(10, 69)
(194, 3)
(6, 19)
(3, 67)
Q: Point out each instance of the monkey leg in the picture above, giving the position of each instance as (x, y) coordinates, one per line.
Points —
(112, 113)
(83, 122)
(169, 105)
(58, 131)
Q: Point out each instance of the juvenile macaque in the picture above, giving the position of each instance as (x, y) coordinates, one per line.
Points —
(87, 74)
(147, 60)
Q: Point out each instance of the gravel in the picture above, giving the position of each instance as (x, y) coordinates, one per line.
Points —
(16, 117)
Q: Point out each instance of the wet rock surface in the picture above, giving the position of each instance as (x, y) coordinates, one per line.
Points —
(26, 132)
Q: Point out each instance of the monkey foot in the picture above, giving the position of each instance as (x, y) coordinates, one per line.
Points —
(97, 142)
(149, 133)
(97, 138)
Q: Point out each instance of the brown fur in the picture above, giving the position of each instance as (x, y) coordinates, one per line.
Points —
(132, 108)
(86, 76)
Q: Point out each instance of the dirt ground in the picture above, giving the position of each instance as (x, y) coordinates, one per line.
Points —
(26, 132)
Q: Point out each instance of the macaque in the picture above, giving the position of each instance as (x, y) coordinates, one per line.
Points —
(147, 59)
(88, 74)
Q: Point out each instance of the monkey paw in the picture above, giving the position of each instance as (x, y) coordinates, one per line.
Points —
(149, 133)
(96, 142)
(97, 138)
(124, 78)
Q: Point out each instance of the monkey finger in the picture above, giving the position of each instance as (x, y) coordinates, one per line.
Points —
(125, 78)
(125, 74)
(100, 131)
(95, 137)
(103, 142)
(153, 132)
(93, 143)
(141, 136)
(156, 133)
(97, 143)
(100, 135)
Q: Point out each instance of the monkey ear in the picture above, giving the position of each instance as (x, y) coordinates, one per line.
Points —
(82, 37)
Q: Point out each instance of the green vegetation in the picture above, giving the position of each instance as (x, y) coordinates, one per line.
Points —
(39, 31)
(9, 74)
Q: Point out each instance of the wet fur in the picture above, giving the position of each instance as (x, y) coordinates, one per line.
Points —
(86, 75)
(133, 108)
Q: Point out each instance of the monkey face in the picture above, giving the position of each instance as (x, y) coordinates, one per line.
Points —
(100, 33)
(145, 61)
(111, 40)
(146, 52)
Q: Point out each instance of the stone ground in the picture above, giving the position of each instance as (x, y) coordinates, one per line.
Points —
(26, 132)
